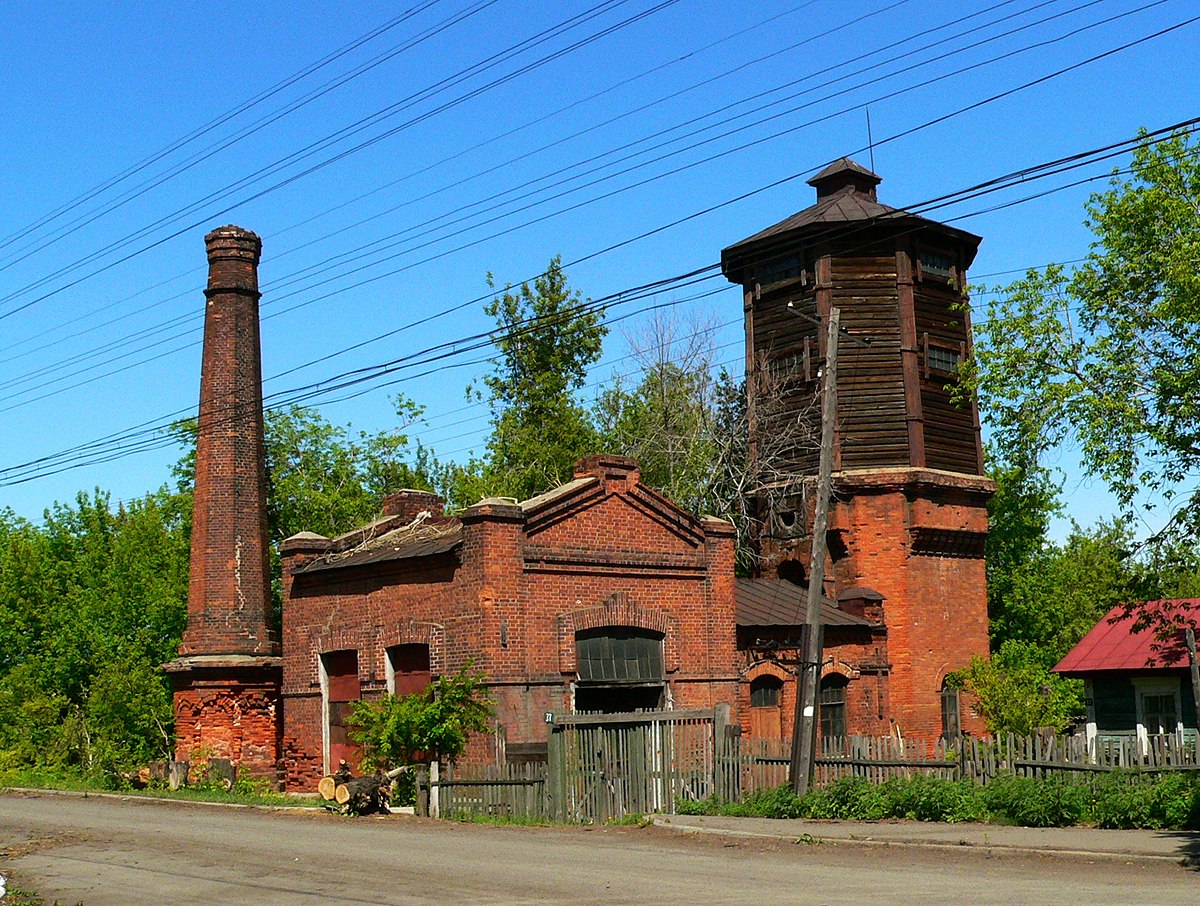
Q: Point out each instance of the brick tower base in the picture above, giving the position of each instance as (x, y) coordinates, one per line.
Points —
(227, 706)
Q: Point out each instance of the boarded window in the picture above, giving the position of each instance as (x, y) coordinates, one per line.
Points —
(617, 655)
(833, 707)
(409, 668)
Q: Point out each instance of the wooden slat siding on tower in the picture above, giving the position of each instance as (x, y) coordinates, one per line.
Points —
(950, 431)
(870, 390)
(910, 355)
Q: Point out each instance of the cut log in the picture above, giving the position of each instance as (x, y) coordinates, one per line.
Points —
(327, 786)
(363, 795)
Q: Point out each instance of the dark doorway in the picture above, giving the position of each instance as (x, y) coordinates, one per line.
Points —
(341, 692)
(617, 699)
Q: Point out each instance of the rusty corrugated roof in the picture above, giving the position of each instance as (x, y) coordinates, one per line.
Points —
(777, 602)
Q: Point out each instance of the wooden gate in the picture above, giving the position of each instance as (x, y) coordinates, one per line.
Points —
(605, 766)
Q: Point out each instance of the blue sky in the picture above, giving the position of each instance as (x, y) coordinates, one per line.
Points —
(100, 304)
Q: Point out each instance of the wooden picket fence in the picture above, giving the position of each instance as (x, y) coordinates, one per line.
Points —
(603, 767)
(765, 761)
(510, 790)
(606, 766)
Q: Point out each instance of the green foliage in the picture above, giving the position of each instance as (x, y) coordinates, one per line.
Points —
(1108, 357)
(1019, 515)
(547, 336)
(1059, 593)
(1015, 691)
(1125, 800)
(127, 716)
(435, 724)
(1120, 799)
(1032, 802)
(91, 602)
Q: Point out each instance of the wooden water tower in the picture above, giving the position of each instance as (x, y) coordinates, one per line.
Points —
(909, 515)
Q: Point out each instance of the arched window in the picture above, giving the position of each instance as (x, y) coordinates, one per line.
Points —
(951, 713)
(766, 696)
(833, 706)
(765, 692)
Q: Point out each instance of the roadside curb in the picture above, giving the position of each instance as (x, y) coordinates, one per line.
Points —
(126, 797)
(865, 840)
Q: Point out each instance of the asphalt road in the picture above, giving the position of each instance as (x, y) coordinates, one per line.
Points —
(100, 851)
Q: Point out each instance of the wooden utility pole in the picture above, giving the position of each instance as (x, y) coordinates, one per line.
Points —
(1190, 635)
(804, 732)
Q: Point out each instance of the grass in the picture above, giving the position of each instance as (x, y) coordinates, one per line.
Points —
(465, 817)
(243, 792)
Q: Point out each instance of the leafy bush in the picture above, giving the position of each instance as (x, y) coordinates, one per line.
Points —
(927, 798)
(1127, 800)
(1118, 800)
(435, 724)
(1032, 802)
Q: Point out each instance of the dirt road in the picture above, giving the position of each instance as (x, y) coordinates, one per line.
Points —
(127, 853)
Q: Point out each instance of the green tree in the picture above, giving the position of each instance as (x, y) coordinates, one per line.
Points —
(1059, 594)
(1016, 692)
(1019, 515)
(547, 336)
(1108, 357)
(435, 724)
(93, 598)
(686, 427)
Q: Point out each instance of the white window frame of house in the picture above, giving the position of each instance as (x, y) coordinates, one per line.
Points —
(1151, 686)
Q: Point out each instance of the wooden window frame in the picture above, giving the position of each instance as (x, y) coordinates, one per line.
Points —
(766, 683)
(929, 370)
(827, 708)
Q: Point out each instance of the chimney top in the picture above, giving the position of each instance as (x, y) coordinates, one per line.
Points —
(844, 175)
(233, 242)
(408, 504)
(607, 466)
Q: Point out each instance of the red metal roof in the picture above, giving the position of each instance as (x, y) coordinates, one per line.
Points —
(1113, 645)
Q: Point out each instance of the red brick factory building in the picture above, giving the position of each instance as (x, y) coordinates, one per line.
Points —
(602, 595)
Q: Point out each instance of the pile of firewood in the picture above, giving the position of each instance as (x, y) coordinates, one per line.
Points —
(365, 795)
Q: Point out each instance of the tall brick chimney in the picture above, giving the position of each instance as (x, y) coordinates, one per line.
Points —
(227, 675)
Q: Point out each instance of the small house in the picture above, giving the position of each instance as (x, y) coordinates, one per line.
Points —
(1137, 683)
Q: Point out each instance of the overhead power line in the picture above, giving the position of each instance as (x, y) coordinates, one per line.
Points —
(329, 141)
(329, 264)
(133, 440)
(277, 298)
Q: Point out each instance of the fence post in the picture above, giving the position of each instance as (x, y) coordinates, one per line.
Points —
(552, 791)
(435, 791)
(423, 791)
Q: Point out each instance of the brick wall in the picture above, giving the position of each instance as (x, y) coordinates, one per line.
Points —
(603, 551)
(226, 678)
